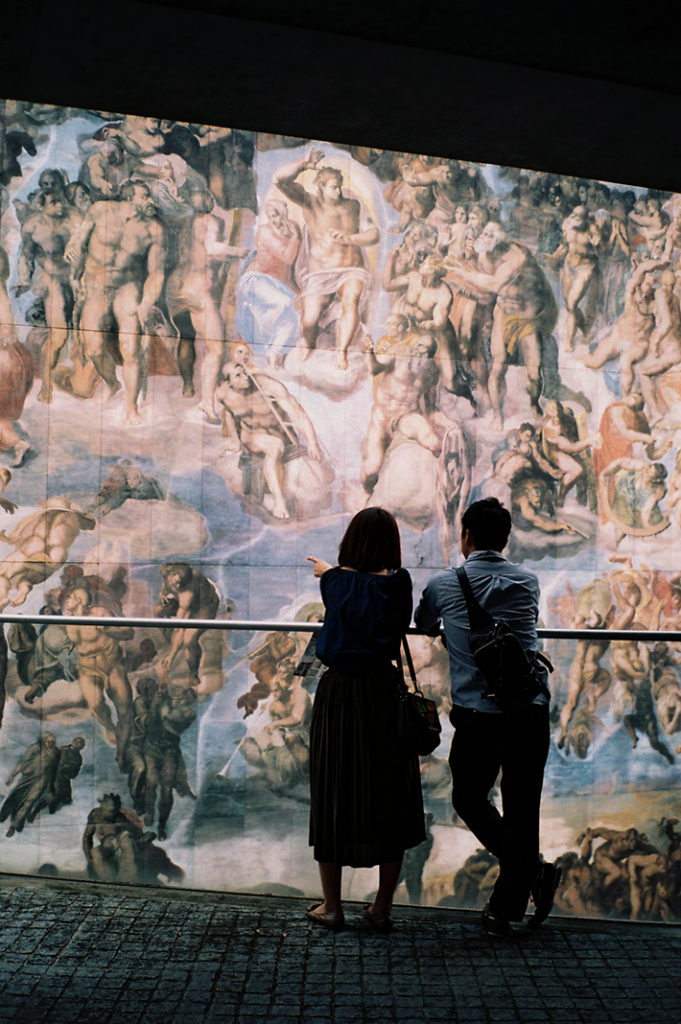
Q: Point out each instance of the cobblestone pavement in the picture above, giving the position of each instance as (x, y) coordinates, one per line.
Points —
(72, 952)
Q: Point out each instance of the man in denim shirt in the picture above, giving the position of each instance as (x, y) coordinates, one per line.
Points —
(487, 740)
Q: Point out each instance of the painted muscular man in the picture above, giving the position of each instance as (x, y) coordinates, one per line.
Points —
(587, 680)
(336, 238)
(118, 854)
(194, 287)
(561, 446)
(44, 270)
(121, 249)
(524, 312)
(186, 594)
(609, 859)
(629, 338)
(101, 669)
(404, 400)
(262, 417)
(41, 543)
(427, 300)
(664, 351)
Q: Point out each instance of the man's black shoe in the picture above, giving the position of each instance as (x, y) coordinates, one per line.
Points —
(543, 891)
(493, 925)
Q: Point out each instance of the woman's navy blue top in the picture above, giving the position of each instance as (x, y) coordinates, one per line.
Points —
(366, 615)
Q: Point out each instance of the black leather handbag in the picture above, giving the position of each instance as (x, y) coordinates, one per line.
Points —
(418, 723)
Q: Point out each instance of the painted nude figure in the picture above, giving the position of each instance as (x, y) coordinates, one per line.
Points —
(43, 268)
(664, 350)
(588, 679)
(336, 239)
(524, 312)
(101, 668)
(580, 275)
(562, 446)
(666, 688)
(426, 300)
(118, 856)
(629, 338)
(185, 594)
(41, 543)
(120, 256)
(262, 417)
(404, 399)
(194, 288)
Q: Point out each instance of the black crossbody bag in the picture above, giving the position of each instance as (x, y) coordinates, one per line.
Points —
(512, 674)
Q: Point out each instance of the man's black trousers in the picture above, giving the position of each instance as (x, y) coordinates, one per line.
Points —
(517, 743)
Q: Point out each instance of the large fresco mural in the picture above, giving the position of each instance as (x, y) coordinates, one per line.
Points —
(215, 346)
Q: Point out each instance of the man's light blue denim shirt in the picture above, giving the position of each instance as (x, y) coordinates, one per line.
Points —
(505, 590)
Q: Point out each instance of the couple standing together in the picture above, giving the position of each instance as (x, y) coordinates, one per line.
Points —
(366, 802)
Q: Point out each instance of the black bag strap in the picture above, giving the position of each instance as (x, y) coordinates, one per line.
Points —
(410, 666)
(478, 618)
(410, 663)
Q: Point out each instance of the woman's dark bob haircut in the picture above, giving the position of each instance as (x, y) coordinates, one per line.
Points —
(371, 542)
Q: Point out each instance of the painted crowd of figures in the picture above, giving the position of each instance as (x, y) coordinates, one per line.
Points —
(320, 327)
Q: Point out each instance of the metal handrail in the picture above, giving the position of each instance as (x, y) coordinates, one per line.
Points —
(164, 623)
(647, 636)
(261, 625)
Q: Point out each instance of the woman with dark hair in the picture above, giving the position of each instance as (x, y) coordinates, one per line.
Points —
(366, 803)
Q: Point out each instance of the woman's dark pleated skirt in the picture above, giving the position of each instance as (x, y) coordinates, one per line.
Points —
(366, 802)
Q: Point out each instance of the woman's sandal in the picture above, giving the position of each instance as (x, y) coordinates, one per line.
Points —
(378, 921)
(334, 920)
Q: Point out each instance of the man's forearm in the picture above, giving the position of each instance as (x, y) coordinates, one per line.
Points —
(370, 236)
(25, 270)
(286, 182)
(426, 617)
(291, 171)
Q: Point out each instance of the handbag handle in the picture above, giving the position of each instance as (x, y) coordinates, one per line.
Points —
(410, 663)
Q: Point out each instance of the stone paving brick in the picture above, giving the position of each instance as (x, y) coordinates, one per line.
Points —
(72, 953)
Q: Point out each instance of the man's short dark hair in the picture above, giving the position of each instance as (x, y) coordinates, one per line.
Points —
(488, 523)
